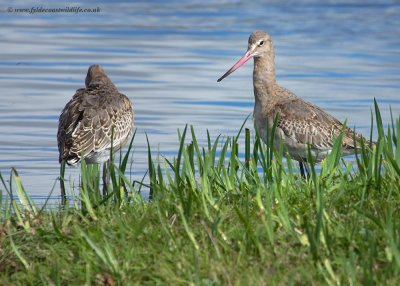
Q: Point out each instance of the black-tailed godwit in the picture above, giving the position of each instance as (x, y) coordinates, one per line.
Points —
(91, 117)
(300, 123)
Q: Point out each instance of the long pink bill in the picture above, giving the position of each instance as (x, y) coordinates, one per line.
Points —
(247, 56)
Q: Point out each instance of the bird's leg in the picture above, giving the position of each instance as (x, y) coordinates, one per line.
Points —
(106, 177)
(62, 183)
(302, 169)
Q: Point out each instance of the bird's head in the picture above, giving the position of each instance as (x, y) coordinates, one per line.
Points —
(260, 44)
(95, 75)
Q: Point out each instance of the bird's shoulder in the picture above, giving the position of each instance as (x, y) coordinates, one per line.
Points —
(72, 110)
(308, 123)
(290, 106)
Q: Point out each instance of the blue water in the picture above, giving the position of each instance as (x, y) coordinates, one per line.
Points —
(167, 57)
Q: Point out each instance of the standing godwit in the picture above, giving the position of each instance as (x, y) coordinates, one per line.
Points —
(91, 117)
(300, 123)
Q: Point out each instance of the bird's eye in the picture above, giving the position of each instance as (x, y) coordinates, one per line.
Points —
(261, 43)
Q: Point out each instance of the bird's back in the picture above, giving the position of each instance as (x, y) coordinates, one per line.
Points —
(301, 124)
(90, 118)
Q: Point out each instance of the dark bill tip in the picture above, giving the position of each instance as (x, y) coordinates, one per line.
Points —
(238, 64)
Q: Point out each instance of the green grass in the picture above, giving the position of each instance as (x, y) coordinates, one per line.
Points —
(216, 219)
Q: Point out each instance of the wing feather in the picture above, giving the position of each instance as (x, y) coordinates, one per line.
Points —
(87, 121)
(308, 124)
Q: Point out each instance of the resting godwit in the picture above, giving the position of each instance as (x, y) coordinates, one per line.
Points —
(300, 123)
(91, 117)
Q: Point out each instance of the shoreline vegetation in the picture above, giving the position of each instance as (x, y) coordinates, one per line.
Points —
(215, 218)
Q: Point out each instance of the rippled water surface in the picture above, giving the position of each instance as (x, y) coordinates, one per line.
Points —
(167, 57)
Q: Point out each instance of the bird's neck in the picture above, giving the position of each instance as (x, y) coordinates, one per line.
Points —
(264, 78)
(100, 82)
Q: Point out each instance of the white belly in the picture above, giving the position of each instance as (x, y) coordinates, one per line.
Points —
(98, 157)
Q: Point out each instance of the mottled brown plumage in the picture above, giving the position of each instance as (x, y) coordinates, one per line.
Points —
(88, 120)
(300, 123)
